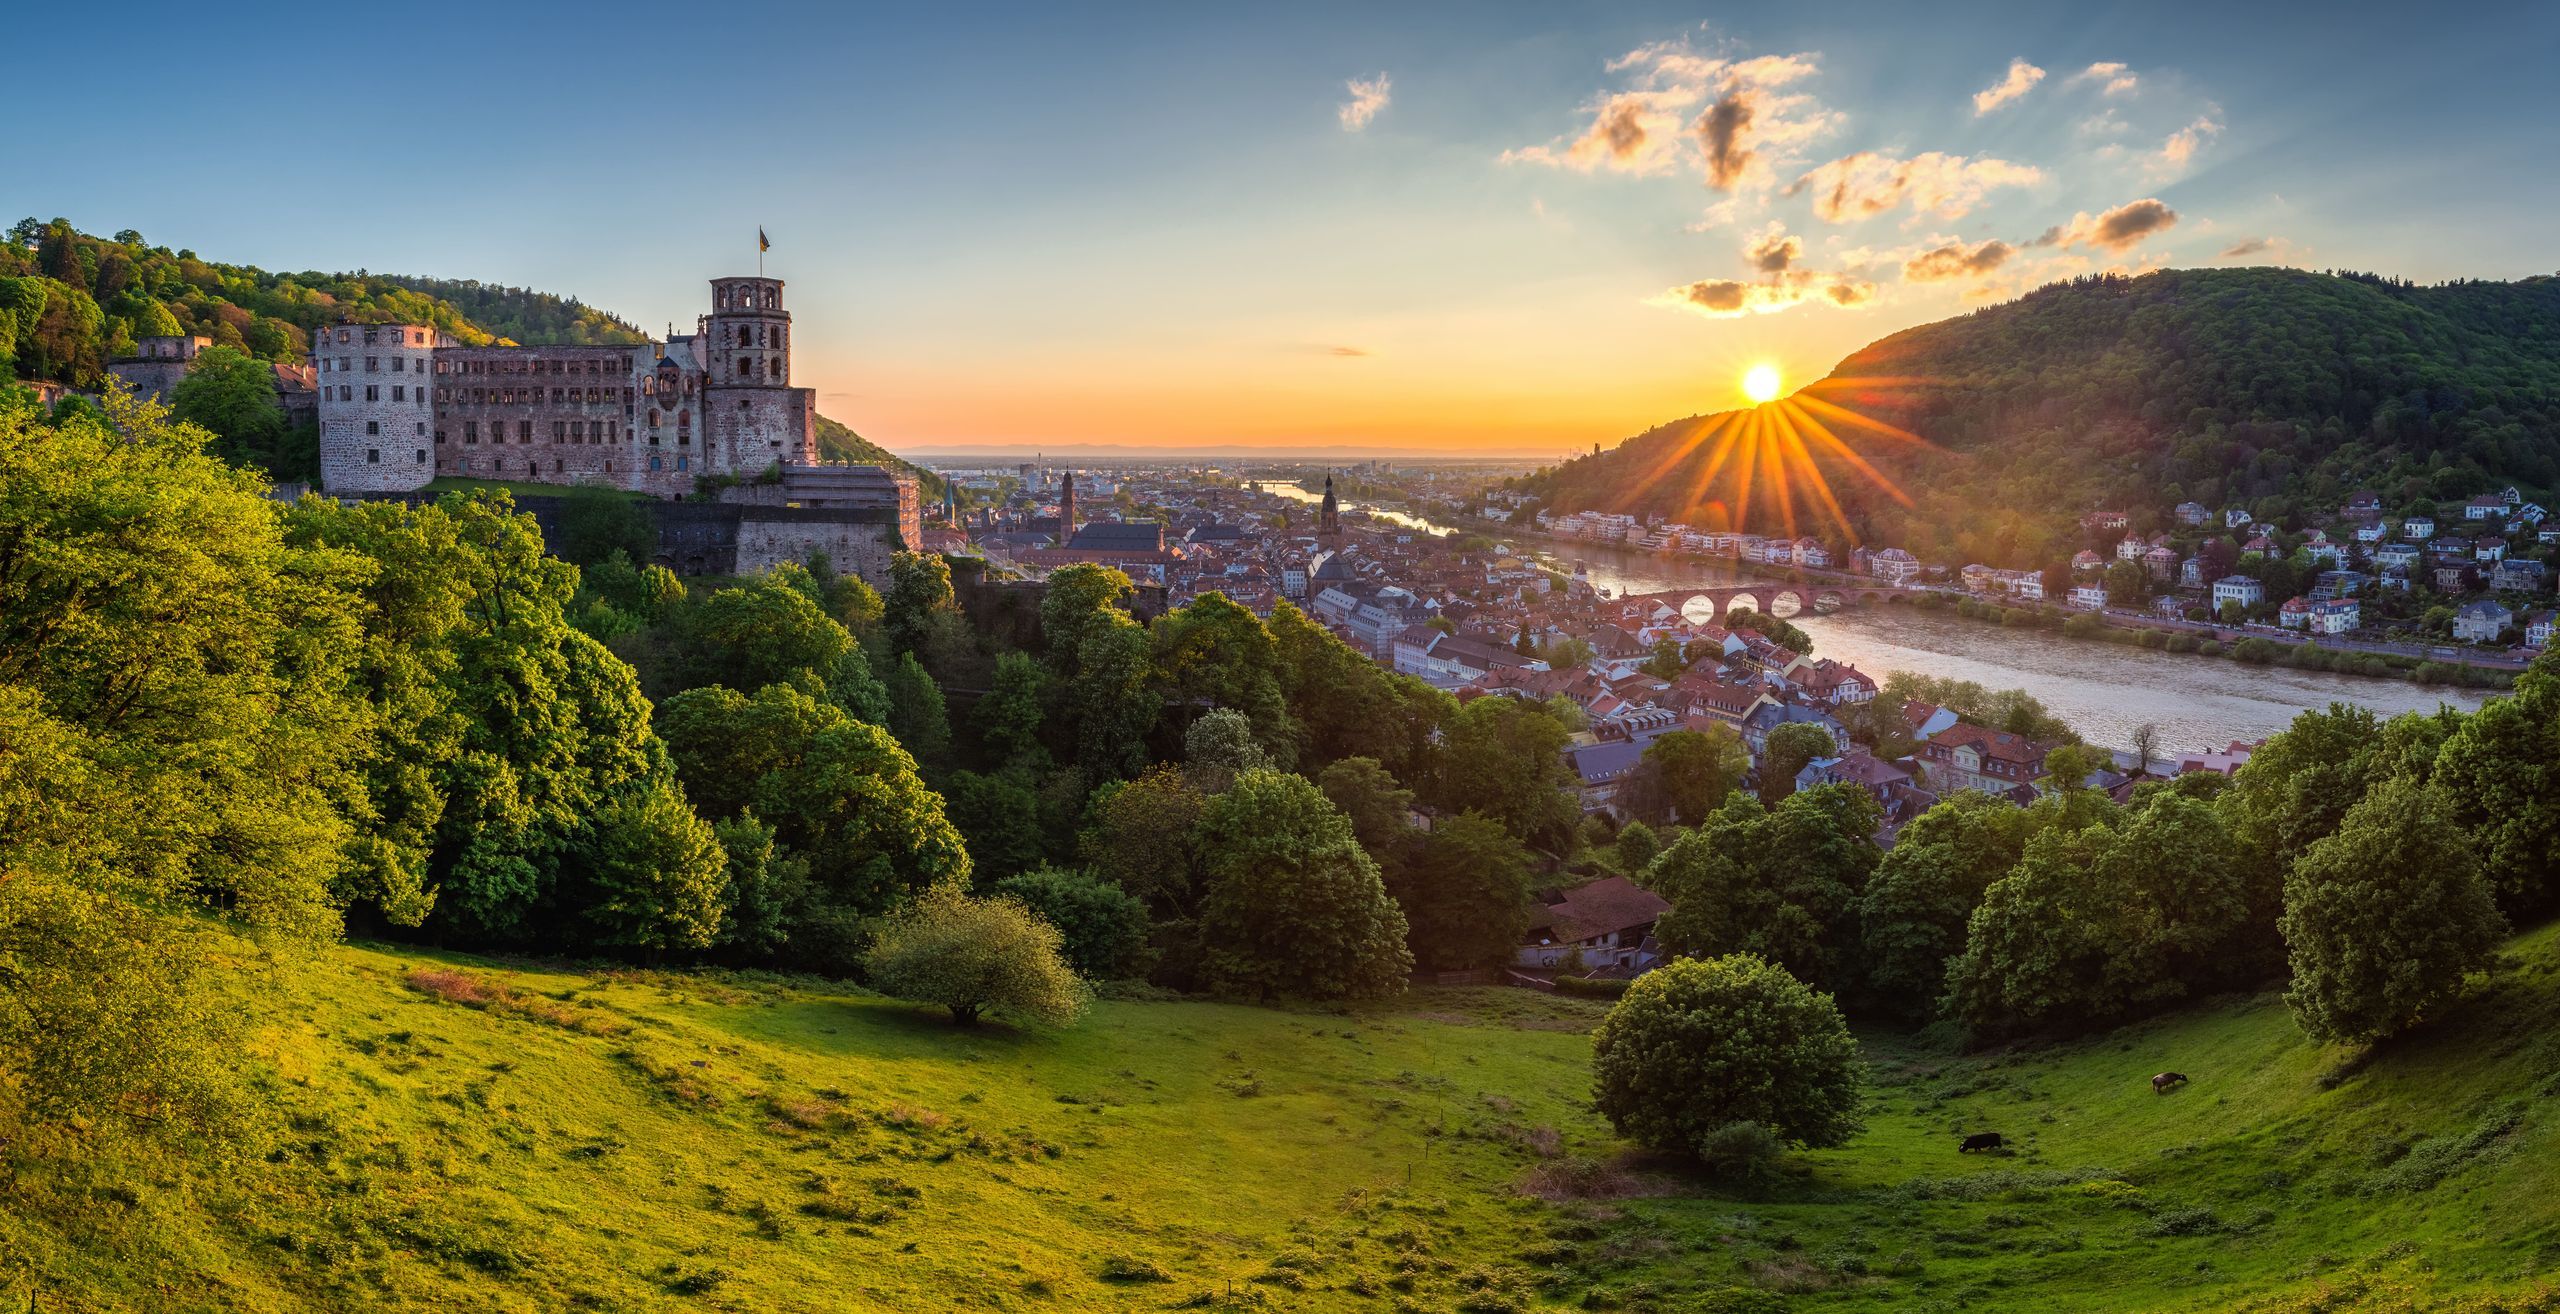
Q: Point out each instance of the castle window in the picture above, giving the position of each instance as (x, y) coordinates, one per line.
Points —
(656, 463)
(344, 361)
(439, 437)
(373, 392)
(373, 456)
(399, 393)
(373, 426)
(422, 428)
(746, 336)
(471, 431)
(524, 431)
(653, 418)
(397, 362)
(680, 463)
(422, 456)
(372, 364)
(555, 465)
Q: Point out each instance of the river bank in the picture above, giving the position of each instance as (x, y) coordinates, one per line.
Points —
(2102, 689)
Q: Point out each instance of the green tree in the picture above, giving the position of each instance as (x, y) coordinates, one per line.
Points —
(1685, 775)
(1789, 749)
(1667, 661)
(1103, 926)
(1781, 883)
(1381, 810)
(2501, 778)
(234, 398)
(916, 714)
(1913, 913)
(1348, 705)
(1464, 889)
(1081, 598)
(1142, 836)
(2385, 917)
(975, 956)
(1504, 757)
(184, 734)
(764, 886)
(1114, 700)
(764, 631)
(1216, 654)
(1636, 847)
(1697, 1046)
(655, 875)
(1008, 719)
(597, 521)
(1219, 747)
(840, 793)
(921, 614)
(1771, 628)
(1291, 905)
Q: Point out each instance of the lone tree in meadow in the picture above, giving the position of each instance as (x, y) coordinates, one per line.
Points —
(975, 956)
(1699, 1045)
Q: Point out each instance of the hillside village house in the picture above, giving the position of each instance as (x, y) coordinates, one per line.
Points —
(2481, 622)
(1986, 761)
(2336, 616)
(1608, 921)
(2240, 589)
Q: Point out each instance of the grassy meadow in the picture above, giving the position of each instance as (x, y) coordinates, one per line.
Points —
(462, 1134)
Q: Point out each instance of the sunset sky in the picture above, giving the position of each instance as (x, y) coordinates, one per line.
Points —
(1464, 228)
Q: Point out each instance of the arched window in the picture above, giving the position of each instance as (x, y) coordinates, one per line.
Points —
(746, 336)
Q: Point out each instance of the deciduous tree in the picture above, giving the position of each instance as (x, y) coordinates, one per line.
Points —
(975, 956)
(2384, 918)
(1697, 1046)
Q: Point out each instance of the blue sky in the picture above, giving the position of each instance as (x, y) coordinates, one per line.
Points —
(1157, 225)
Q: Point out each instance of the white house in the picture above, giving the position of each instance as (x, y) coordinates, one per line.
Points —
(2092, 596)
(2240, 589)
(2481, 622)
(2336, 616)
(2418, 528)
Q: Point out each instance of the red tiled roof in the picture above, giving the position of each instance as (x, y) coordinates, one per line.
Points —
(1600, 908)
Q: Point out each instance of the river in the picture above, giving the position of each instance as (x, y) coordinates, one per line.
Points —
(2102, 690)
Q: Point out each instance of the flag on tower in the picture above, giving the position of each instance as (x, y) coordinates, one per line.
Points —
(763, 243)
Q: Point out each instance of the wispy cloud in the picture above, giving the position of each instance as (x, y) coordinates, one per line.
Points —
(2119, 229)
(2181, 147)
(2021, 79)
(2113, 79)
(1869, 183)
(1368, 97)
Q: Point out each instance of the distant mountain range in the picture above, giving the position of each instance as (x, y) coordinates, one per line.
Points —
(2279, 389)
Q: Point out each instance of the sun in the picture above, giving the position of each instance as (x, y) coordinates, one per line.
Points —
(1760, 383)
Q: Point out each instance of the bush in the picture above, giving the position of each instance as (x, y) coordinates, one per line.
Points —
(974, 955)
(1698, 1045)
(1741, 1152)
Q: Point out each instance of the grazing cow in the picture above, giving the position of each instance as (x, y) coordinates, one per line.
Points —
(1982, 1141)
(2160, 1084)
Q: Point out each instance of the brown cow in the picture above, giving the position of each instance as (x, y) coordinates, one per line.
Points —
(2160, 1084)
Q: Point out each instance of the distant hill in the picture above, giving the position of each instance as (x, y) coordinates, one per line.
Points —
(837, 442)
(2279, 389)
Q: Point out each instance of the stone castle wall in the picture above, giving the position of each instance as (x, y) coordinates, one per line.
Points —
(375, 409)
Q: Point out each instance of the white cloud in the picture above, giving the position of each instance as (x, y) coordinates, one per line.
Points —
(2113, 79)
(2022, 77)
(2177, 152)
(1368, 96)
(1733, 120)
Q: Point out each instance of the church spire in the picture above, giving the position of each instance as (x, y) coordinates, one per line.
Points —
(1329, 517)
(1067, 509)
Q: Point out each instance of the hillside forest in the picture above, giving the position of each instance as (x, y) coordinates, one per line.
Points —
(2281, 390)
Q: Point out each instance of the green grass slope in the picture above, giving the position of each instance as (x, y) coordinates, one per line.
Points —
(455, 1134)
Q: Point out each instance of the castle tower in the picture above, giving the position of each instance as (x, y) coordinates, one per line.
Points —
(376, 402)
(1329, 517)
(1067, 509)
(751, 415)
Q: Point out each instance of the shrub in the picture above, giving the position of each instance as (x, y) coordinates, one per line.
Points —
(1592, 987)
(1741, 1152)
(1698, 1045)
(973, 955)
(1103, 927)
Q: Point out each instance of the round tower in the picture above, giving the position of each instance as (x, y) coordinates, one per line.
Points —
(376, 406)
(752, 416)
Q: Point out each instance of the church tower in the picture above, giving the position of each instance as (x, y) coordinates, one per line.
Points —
(1329, 517)
(1067, 509)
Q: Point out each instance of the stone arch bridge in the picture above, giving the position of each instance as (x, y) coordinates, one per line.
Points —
(1770, 598)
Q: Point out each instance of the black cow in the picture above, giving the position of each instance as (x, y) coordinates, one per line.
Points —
(1983, 1141)
(2160, 1084)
